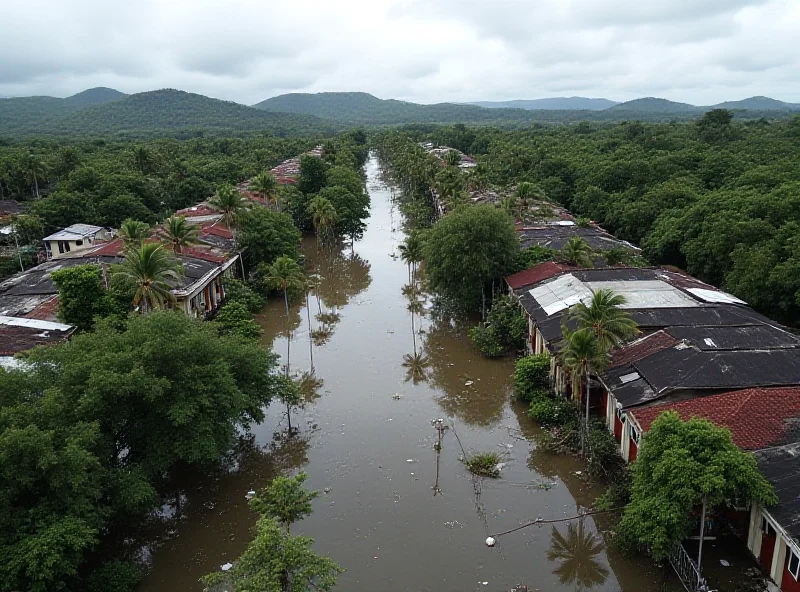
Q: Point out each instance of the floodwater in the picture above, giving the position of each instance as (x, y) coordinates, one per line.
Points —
(398, 516)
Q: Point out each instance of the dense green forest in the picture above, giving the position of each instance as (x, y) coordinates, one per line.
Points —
(716, 197)
(150, 114)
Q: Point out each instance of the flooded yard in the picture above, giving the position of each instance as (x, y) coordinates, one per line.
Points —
(396, 514)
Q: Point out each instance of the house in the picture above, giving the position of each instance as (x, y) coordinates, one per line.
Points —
(763, 421)
(74, 239)
(18, 334)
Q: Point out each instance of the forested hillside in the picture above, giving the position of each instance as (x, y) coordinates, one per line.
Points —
(557, 103)
(161, 112)
(718, 198)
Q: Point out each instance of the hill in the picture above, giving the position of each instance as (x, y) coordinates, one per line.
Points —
(94, 96)
(759, 104)
(654, 105)
(554, 103)
(163, 112)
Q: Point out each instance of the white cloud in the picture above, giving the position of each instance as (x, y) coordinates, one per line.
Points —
(699, 51)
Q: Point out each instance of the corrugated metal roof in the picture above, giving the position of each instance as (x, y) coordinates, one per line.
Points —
(715, 296)
(76, 231)
(33, 323)
(560, 293)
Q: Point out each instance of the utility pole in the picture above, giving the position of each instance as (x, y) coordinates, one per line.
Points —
(702, 533)
(19, 252)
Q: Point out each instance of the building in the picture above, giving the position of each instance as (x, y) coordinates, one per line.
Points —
(74, 239)
(21, 334)
(764, 421)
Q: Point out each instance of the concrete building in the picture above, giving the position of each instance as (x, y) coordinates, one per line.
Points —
(74, 239)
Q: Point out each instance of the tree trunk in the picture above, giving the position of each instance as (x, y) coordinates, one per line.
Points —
(288, 330)
(310, 333)
(586, 427)
(36, 184)
(702, 533)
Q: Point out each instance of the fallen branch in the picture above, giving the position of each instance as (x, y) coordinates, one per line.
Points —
(541, 521)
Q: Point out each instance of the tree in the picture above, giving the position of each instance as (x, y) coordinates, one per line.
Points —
(682, 465)
(411, 252)
(285, 500)
(266, 186)
(452, 158)
(266, 234)
(605, 317)
(313, 172)
(351, 210)
(232, 204)
(142, 159)
(505, 328)
(113, 210)
(323, 216)
(468, 249)
(449, 185)
(580, 355)
(277, 562)
(576, 251)
(133, 232)
(287, 276)
(35, 170)
(81, 295)
(154, 273)
(234, 318)
(180, 233)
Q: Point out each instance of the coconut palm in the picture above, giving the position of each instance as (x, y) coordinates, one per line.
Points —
(580, 355)
(452, 157)
(266, 186)
(35, 170)
(577, 251)
(232, 205)
(605, 318)
(411, 253)
(133, 232)
(577, 556)
(285, 275)
(142, 159)
(153, 271)
(180, 233)
(323, 216)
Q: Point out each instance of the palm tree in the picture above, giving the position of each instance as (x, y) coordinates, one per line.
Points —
(153, 271)
(581, 354)
(285, 275)
(577, 553)
(232, 205)
(577, 252)
(142, 159)
(133, 232)
(180, 234)
(452, 157)
(35, 171)
(266, 185)
(411, 253)
(603, 316)
(324, 217)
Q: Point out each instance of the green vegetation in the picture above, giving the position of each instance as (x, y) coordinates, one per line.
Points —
(681, 466)
(466, 251)
(94, 429)
(82, 296)
(484, 464)
(505, 329)
(285, 500)
(532, 377)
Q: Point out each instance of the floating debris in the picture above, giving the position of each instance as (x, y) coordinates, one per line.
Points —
(490, 542)
(250, 495)
(226, 566)
(326, 490)
(468, 383)
(397, 396)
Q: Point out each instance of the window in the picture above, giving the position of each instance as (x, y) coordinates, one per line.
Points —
(634, 434)
(766, 527)
(794, 564)
(63, 246)
(78, 243)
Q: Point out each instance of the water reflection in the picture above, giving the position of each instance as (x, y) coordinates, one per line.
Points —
(341, 276)
(576, 554)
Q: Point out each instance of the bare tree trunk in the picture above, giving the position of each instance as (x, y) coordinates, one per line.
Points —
(36, 184)
(586, 427)
(702, 533)
(310, 333)
(288, 331)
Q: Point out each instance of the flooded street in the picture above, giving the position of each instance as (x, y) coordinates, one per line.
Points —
(384, 513)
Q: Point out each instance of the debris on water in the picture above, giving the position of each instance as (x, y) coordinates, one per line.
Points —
(468, 383)
(490, 542)
(209, 505)
(499, 466)
(509, 446)
(226, 566)
(412, 474)
(724, 563)
(397, 396)
(327, 490)
(579, 473)
(410, 460)
(250, 495)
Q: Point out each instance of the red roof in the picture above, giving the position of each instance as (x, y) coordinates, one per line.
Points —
(534, 275)
(201, 253)
(46, 311)
(757, 418)
(201, 209)
(111, 249)
(642, 348)
(215, 229)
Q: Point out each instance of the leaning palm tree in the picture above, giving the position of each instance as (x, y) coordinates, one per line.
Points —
(604, 316)
(180, 233)
(577, 251)
(287, 276)
(323, 216)
(154, 273)
(266, 185)
(580, 355)
(232, 205)
(133, 232)
(35, 170)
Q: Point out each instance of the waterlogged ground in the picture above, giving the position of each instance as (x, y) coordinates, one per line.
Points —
(387, 368)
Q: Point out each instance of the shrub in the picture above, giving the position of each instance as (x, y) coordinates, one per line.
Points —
(235, 319)
(554, 412)
(239, 291)
(485, 339)
(531, 376)
(484, 464)
(604, 458)
(618, 493)
(115, 576)
(505, 328)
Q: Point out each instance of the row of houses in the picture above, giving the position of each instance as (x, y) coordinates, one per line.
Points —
(29, 299)
(701, 352)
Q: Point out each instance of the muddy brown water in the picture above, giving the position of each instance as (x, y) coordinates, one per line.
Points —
(367, 445)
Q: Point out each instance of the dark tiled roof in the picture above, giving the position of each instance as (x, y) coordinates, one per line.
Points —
(781, 467)
(757, 418)
(555, 237)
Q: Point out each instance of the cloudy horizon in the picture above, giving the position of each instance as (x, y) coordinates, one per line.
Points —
(427, 51)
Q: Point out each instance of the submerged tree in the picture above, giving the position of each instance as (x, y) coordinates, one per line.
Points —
(285, 500)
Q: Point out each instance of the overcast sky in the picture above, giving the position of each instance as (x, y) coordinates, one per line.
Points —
(697, 51)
